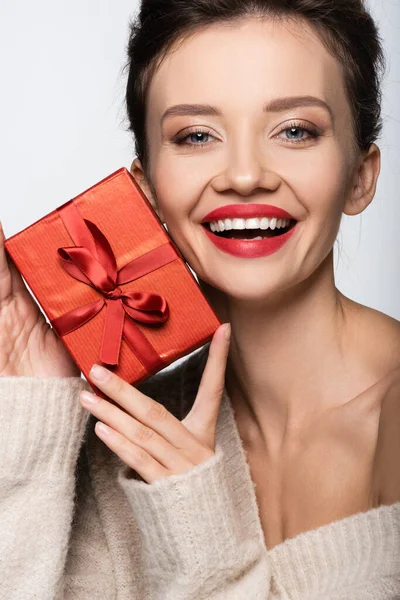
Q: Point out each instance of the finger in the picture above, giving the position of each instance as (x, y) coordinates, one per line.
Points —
(204, 413)
(5, 274)
(145, 409)
(135, 457)
(11, 282)
(134, 431)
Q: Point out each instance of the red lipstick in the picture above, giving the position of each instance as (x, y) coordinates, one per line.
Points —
(248, 248)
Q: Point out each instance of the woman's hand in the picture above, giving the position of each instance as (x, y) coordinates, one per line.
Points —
(147, 437)
(28, 345)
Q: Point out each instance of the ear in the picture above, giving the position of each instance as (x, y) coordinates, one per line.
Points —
(366, 179)
(146, 187)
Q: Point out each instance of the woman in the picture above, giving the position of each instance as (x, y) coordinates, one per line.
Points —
(273, 473)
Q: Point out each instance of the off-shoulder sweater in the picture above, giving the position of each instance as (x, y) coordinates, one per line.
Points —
(78, 524)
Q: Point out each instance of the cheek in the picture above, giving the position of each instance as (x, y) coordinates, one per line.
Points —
(178, 188)
(320, 183)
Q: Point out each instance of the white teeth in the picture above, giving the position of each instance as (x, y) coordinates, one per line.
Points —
(239, 224)
(254, 223)
(228, 224)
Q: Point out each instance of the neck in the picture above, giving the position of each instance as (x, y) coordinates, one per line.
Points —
(290, 359)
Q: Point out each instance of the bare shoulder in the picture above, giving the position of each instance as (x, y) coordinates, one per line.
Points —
(379, 337)
(387, 456)
(379, 343)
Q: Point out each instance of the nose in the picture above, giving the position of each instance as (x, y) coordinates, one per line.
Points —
(247, 169)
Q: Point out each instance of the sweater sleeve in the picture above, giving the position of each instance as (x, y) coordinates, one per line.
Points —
(42, 426)
(197, 533)
(197, 543)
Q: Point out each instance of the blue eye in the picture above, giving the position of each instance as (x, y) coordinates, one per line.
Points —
(196, 136)
(295, 130)
(301, 135)
(193, 135)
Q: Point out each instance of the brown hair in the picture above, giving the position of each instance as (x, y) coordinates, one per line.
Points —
(344, 26)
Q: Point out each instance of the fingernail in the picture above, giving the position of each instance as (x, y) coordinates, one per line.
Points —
(102, 429)
(99, 373)
(227, 331)
(88, 398)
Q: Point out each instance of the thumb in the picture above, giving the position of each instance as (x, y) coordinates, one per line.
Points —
(202, 419)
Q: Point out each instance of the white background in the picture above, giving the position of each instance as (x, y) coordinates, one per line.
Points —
(63, 128)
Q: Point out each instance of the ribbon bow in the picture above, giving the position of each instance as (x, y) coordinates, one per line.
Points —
(92, 261)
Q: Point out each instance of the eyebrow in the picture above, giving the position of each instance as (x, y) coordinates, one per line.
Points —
(275, 105)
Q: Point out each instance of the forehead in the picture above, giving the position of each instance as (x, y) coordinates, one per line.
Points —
(241, 65)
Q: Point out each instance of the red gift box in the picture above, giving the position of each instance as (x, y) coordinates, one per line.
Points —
(113, 284)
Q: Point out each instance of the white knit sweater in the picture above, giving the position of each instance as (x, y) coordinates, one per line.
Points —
(76, 526)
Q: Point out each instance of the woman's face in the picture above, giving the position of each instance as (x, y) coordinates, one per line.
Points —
(297, 156)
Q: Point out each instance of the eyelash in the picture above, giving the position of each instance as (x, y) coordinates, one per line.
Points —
(313, 134)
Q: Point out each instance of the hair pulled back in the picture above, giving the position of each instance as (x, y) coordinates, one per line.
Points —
(345, 27)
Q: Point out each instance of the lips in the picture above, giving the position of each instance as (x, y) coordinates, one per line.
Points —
(249, 248)
(246, 211)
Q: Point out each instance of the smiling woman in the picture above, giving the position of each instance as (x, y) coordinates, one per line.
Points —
(251, 164)
(265, 465)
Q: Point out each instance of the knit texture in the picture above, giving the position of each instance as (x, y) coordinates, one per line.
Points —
(78, 524)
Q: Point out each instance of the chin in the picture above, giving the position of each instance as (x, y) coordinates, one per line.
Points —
(241, 286)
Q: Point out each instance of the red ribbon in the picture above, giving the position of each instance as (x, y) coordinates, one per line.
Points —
(92, 261)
